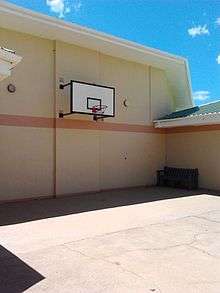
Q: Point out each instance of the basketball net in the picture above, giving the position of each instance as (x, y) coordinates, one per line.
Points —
(98, 109)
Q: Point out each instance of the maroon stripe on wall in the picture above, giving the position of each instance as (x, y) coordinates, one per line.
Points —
(43, 122)
(107, 126)
(27, 121)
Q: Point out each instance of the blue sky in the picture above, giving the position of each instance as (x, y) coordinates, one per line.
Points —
(190, 28)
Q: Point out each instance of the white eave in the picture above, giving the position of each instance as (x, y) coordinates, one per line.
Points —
(194, 120)
(176, 68)
(8, 60)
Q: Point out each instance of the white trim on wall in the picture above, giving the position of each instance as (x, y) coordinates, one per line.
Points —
(194, 120)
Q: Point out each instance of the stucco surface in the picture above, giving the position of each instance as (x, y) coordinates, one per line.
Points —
(70, 159)
(33, 77)
(196, 150)
(26, 168)
(97, 160)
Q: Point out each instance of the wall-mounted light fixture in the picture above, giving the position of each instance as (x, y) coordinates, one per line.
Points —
(126, 103)
(11, 88)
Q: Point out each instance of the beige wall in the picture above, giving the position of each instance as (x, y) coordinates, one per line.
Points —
(131, 81)
(26, 167)
(196, 150)
(78, 161)
(86, 160)
(33, 77)
(130, 159)
(97, 160)
(26, 153)
(161, 96)
(91, 160)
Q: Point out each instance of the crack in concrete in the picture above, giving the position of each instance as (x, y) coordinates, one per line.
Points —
(123, 269)
(210, 211)
(204, 282)
(119, 266)
(120, 231)
(129, 271)
(204, 251)
(207, 219)
(79, 252)
(190, 244)
(165, 223)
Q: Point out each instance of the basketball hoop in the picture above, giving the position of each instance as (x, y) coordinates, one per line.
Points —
(99, 110)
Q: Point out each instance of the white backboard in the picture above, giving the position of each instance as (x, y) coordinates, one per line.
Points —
(85, 96)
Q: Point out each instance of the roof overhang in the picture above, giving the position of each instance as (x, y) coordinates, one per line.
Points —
(176, 68)
(195, 120)
(8, 60)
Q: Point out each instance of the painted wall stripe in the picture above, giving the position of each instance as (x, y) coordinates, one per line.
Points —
(107, 126)
(27, 121)
(43, 122)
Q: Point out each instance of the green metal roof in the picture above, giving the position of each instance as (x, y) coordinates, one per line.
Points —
(195, 111)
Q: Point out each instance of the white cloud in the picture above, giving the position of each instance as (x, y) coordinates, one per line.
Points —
(57, 6)
(217, 21)
(218, 59)
(201, 95)
(198, 31)
(61, 7)
(77, 6)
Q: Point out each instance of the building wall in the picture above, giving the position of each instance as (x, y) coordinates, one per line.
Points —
(162, 100)
(196, 150)
(108, 159)
(26, 167)
(38, 158)
(130, 159)
(98, 160)
(26, 153)
(33, 77)
(131, 81)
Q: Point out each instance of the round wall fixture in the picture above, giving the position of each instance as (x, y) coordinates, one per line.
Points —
(126, 102)
(11, 88)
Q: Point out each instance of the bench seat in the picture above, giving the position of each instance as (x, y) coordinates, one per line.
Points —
(178, 177)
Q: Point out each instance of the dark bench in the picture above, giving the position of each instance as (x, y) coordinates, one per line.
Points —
(178, 177)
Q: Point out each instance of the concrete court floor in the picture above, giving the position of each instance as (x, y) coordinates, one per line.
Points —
(137, 240)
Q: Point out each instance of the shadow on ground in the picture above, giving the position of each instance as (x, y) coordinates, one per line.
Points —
(13, 213)
(15, 275)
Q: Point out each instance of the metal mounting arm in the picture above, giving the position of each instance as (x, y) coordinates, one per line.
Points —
(61, 114)
(62, 86)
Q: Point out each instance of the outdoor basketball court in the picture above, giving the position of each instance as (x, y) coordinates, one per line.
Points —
(137, 240)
